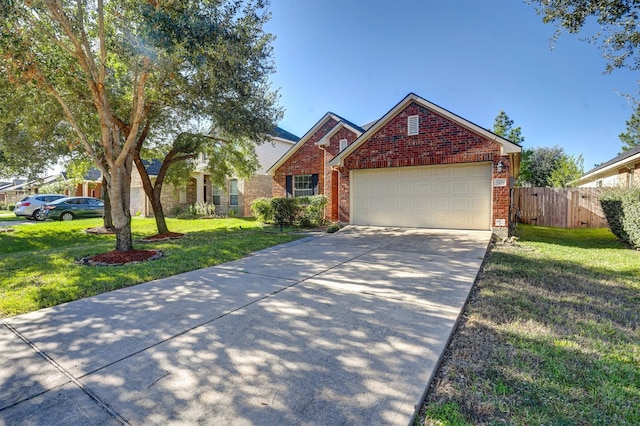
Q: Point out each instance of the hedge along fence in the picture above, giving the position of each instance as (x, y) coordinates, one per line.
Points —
(621, 206)
(302, 211)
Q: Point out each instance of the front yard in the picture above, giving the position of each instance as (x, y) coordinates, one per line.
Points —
(551, 336)
(37, 266)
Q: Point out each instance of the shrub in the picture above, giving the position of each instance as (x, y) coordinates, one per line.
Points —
(262, 209)
(621, 207)
(334, 227)
(311, 210)
(284, 211)
(197, 210)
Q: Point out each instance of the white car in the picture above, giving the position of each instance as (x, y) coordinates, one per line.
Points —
(29, 206)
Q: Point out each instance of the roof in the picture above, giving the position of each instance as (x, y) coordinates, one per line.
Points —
(307, 136)
(279, 132)
(629, 155)
(507, 145)
(153, 166)
(623, 156)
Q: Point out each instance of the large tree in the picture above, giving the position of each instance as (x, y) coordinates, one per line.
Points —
(503, 126)
(617, 34)
(119, 68)
(568, 168)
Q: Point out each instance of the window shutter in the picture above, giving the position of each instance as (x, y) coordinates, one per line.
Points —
(314, 183)
(412, 125)
(289, 185)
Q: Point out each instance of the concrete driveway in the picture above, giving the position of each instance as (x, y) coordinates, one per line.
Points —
(336, 329)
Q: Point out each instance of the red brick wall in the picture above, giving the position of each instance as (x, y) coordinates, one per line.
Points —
(440, 141)
(309, 159)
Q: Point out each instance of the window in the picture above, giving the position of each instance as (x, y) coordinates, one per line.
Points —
(302, 185)
(412, 125)
(216, 196)
(343, 144)
(233, 192)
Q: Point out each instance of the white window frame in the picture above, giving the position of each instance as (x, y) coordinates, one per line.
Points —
(299, 185)
(343, 144)
(413, 125)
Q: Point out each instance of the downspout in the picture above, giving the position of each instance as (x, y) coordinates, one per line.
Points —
(324, 177)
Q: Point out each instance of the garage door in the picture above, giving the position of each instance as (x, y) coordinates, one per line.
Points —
(452, 196)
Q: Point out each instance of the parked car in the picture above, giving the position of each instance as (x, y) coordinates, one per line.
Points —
(73, 208)
(31, 205)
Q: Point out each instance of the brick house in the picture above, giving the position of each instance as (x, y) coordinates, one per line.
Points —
(417, 166)
(237, 193)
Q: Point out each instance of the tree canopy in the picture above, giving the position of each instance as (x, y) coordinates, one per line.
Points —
(631, 138)
(617, 33)
(503, 126)
(123, 73)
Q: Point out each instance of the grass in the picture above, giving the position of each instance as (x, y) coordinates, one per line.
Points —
(9, 215)
(551, 335)
(38, 269)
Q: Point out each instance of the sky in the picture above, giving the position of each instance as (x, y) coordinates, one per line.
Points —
(359, 58)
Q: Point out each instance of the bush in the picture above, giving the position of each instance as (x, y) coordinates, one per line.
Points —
(311, 210)
(262, 209)
(621, 207)
(197, 210)
(284, 211)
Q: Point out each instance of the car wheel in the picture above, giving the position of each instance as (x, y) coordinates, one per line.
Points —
(37, 215)
(66, 216)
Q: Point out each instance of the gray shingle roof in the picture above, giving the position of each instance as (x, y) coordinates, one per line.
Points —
(626, 154)
(279, 132)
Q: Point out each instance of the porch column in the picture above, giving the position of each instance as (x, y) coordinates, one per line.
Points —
(200, 187)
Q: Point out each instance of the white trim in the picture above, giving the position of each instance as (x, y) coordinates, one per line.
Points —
(507, 147)
(343, 144)
(325, 140)
(593, 176)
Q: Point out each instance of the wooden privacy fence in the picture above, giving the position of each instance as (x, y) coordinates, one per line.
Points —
(560, 207)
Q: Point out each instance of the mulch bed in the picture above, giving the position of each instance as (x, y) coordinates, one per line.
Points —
(113, 258)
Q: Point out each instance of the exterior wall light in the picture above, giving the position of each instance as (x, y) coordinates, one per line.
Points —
(500, 166)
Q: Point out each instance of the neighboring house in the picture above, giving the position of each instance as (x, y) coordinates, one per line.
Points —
(622, 170)
(91, 185)
(417, 166)
(12, 192)
(236, 195)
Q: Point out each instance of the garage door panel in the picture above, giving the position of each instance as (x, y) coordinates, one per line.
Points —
(453, 196)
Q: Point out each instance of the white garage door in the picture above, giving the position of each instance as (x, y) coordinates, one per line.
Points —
(451, 196)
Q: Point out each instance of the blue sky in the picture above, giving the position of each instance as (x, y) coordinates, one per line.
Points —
(358, 58)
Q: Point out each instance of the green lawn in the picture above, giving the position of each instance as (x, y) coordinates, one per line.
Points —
(37, 266)
(9, 215)
(551, 336)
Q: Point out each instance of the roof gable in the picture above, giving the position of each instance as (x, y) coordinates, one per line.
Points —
(506, 145)
(618, 159)
(328, 116)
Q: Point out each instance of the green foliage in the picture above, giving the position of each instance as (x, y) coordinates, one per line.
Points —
(631, 138)
(567, 169)
(544, 166)
(58, 187)
(503, 126)
(617, 34)
(197, 210)
(334, 227)
(311, 210)
(306, 212)
(284, 211)
(262, 209)
(621, 207)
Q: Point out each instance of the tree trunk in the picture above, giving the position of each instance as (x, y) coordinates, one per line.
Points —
(108, 219)
(158, 213)
(120, 196)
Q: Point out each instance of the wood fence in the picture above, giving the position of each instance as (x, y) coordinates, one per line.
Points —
(560, 207)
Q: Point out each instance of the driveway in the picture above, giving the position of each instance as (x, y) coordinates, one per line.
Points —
(344, 328)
